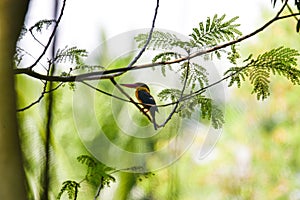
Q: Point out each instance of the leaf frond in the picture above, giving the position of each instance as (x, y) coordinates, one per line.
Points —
(71, 188)
(72, 55)
(215, 30)
(45, 23)
(280, 61)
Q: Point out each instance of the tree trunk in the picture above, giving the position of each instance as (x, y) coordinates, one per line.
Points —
(12, 184)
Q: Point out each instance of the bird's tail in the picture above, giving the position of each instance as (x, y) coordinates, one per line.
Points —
(153, 109)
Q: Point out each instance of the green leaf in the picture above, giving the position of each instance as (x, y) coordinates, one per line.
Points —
(72, 55)
(71, 187)
(281, 61)
(160, 40)
(215, 31)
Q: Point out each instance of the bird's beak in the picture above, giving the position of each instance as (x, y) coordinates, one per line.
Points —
(130, 85)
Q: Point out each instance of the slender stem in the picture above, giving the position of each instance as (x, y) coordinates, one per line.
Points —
(100, 187)
(148, 39)
(51, 36)
(103, 92)
(49, 122)
(181, 95)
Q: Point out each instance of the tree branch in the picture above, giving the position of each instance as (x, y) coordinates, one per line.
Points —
(108, 74)
(111, 74)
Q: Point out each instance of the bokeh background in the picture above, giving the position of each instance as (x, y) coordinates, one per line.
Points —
(257, 155)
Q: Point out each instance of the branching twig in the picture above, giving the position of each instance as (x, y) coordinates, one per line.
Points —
(44, 91)
(51, 36)
(38, 41)
(36, 101)
(292, 13)
(180, 98)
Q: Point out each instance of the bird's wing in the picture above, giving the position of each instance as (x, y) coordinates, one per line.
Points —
(146, 98)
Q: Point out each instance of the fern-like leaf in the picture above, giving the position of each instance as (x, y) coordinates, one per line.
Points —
(217, 117)
(208, 110)
(173, 94)
(87, 160)
(162, 40)
(198, 75)
(18, 57)
(71, 187)
(72, 54)
(233, 55)
(215, 30)
(281, 61)
(97, 172)
(45, 23)
(164, 57)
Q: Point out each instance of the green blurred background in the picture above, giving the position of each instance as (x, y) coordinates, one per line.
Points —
(256, 157)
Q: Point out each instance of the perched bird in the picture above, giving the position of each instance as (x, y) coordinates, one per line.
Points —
(142, 93)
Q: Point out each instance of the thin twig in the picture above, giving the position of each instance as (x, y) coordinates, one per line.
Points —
(38, 41)
(201, 90)
(99, 188)
(292, 13)
(103, 92)
(148, 39)
(51, 36)
(42, 94)
(130, 66)
(50, 114)
(36, 101)
(181, 95)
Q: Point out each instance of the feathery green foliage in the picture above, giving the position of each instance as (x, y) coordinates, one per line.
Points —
(281, 61)
(187, 106)
(71, 187)
(162, 40)
(215, 30)
(72, 55)
(197, 75)
(209, 33)
(18, 57)
(233, 55)
(97, 174)
(45, 23)
(164, 57)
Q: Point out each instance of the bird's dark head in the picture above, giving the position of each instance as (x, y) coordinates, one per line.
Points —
(136, 85)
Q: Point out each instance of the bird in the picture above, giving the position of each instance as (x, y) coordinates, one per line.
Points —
(142, 93)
